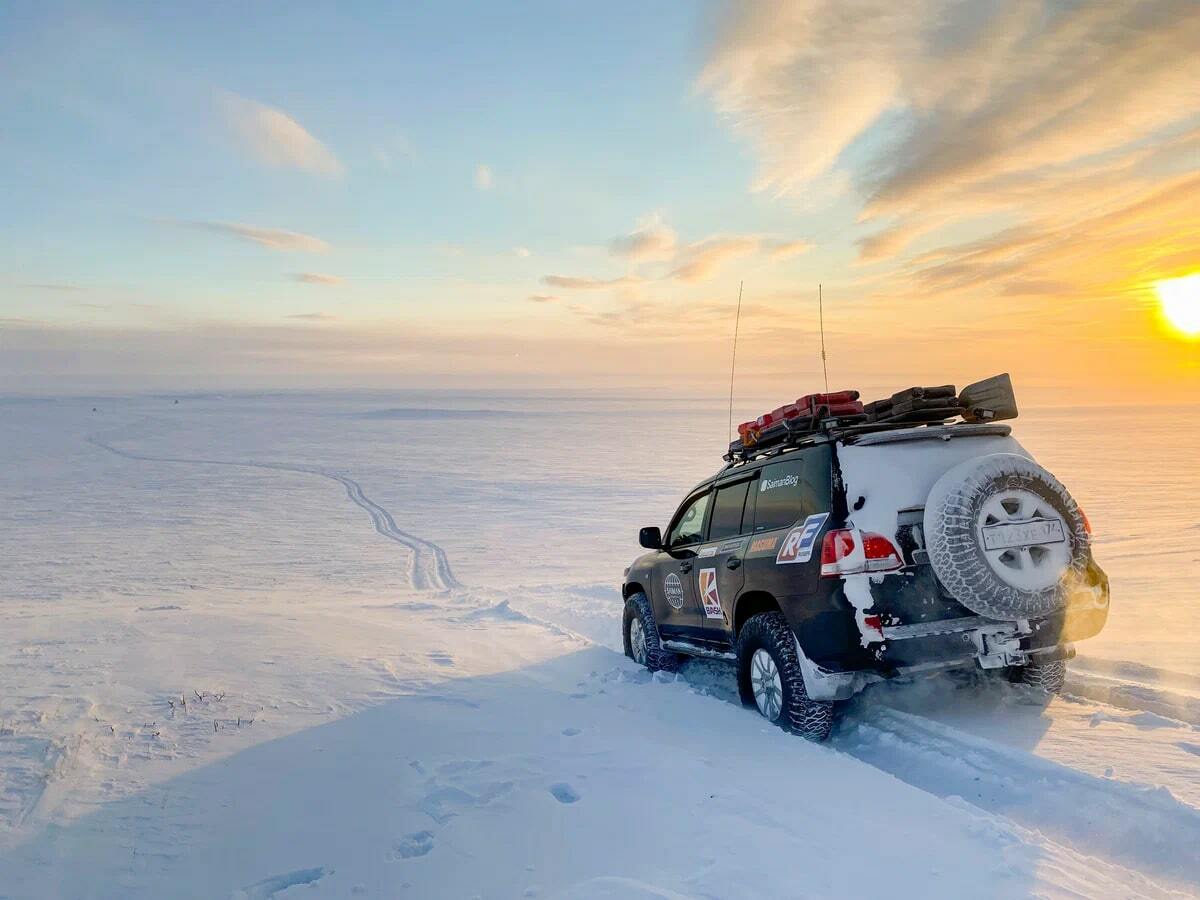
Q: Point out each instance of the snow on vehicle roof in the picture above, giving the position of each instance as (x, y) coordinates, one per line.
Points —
(879, 483)
(929, 432)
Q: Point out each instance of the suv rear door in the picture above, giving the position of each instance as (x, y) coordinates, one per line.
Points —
(674, 584)
(792, 504)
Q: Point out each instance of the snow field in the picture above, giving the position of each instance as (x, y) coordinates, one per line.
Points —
(401, 681)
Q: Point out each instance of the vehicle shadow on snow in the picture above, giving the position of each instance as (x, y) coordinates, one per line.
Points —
(523, 780)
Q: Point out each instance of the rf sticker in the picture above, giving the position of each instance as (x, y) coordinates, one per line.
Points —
(708, 594)
(798, 546)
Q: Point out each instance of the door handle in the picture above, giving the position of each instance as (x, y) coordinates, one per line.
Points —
(733, 562)
(685, 566)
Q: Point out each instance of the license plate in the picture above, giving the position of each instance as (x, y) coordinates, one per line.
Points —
(1023, 534)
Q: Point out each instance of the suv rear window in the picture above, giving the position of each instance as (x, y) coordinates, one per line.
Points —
(794, 488)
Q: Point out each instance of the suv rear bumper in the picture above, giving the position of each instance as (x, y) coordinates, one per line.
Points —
(923, 627)
(992, 643)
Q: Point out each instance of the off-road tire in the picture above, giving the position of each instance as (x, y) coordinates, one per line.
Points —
(770, 631)
(1048, 677)
(957, 555)
(657, 659)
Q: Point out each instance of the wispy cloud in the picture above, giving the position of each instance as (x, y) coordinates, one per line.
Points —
(484, 178)
(62, 287)
(700, 261)
(1034, 111)
(312, 317)
(273, 238)
(572, 283)
(651, 241)
(778, 251)
(318, 278)
(542, 298)
(666, 318)
(275, 138)
(522, 252)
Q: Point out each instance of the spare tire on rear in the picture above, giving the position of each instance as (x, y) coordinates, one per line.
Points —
(1005, 538)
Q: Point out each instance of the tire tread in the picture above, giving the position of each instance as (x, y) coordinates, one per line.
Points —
(657, 659)
(1048, 676)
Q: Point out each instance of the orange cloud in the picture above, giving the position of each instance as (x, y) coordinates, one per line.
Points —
(700, 261)
(652, 241)
(272, 238)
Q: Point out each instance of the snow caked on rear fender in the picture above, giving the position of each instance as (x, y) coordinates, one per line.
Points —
(953, 534)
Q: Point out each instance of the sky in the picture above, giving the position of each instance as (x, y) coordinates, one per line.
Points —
(562, 195)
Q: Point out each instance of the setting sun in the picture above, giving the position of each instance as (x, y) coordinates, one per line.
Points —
(1180, 299)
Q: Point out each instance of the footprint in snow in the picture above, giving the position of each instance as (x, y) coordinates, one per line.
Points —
(570, 732)
(277, 884)
(564, 793)
(441, 657)
(416, 844)
(448, 801)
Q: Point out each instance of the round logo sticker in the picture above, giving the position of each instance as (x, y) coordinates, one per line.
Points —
(673, 588)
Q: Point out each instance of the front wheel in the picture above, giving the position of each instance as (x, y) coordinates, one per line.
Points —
(642, 643)
(770, 678)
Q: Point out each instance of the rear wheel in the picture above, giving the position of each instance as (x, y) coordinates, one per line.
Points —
(770, 678)
(1048, 676)
(642, 643)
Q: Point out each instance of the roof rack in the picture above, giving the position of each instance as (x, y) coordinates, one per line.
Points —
(840, 414)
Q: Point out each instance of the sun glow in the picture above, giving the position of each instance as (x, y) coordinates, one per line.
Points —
(1180, 302)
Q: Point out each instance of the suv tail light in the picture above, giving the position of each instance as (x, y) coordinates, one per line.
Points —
(848, 551)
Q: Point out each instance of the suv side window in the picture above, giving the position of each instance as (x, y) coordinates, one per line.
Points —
(727, 511)
(689, 524)
(794, 488)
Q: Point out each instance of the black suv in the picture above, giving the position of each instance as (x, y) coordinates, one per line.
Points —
(836, 548)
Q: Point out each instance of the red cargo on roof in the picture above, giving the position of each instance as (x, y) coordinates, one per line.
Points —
(836, 403)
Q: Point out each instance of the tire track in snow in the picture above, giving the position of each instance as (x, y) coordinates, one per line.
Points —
(428, 567)
(1117, 686)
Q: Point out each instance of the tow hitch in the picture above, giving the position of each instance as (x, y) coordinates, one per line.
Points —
(1000, 645)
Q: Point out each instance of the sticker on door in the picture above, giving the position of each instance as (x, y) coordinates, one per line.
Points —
(798, 546)
(709, 595)
(673, 590)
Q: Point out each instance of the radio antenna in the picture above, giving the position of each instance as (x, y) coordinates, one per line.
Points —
(733, 364)
(824, 365)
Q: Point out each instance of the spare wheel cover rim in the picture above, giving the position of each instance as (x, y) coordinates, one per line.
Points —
(1035, 566)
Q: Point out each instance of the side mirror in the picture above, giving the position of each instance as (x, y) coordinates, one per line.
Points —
(650, 537)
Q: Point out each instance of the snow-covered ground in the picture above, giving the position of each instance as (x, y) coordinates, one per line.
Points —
(367, 645)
